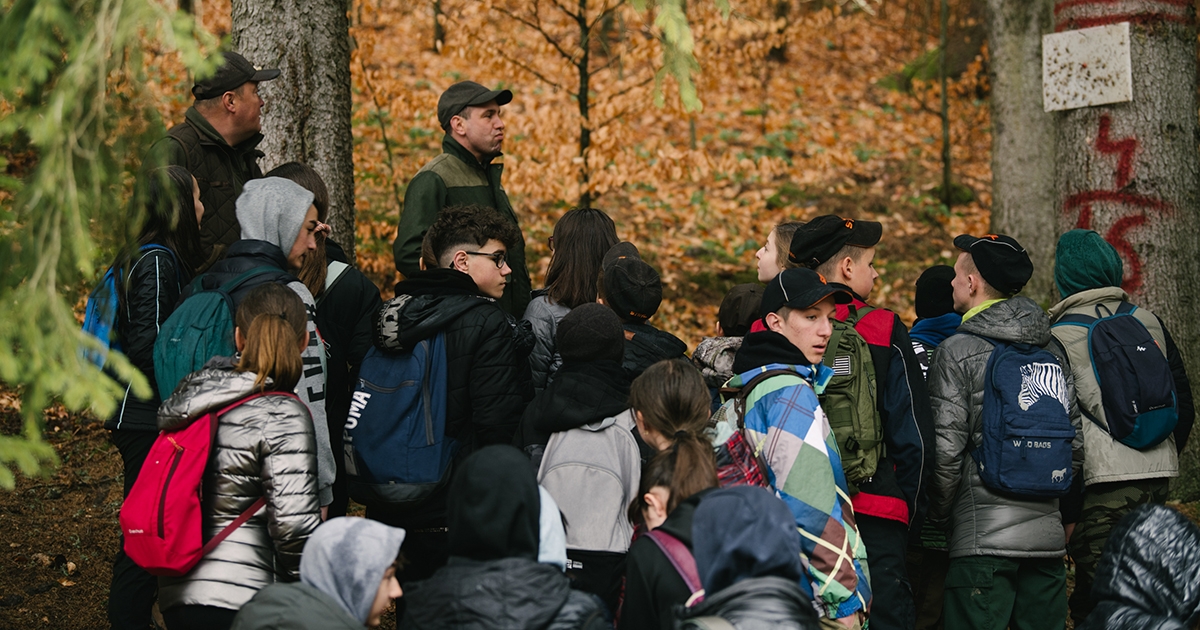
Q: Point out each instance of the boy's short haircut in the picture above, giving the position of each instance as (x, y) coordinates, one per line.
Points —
(829, 267)
(471, 226)
(739, 309)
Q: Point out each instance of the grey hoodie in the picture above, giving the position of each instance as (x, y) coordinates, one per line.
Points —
(984, 522)
(272, 209)
(346, 559)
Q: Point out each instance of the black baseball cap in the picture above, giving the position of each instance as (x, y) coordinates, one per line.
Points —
(234, 72)
(820, 239)
(464, 94)
(1000, 259)
(739, 309)
(799, 288)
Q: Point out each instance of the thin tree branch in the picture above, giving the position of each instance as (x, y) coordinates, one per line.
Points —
(526, 68)
(537, 26)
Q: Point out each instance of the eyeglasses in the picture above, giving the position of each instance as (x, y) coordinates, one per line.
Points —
(550, 241)
(500, 257)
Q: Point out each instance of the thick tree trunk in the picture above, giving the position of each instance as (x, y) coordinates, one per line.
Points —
(307, 118)
(1023, 149)
(1131, 171)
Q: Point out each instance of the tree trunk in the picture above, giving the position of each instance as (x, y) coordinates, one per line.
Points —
(1131, 171)
(585, 131)
(1023, 149)
(307, 117)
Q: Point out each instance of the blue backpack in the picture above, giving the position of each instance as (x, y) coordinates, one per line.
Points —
(100, 317)
(1137, 389)
(397, 452)
(199, 329)
(1027, 430)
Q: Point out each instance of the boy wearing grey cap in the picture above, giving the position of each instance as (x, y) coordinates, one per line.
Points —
(464, 175)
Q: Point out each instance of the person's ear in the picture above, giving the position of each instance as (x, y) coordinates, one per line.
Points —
(239, 340)
(461, 261)
(656, 509)
(229, 101)
(720, 330)
(846, 267)
(421, 264)
(774, 322)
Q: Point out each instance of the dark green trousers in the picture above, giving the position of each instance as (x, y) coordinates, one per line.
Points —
(1103, 505)
(992, 593)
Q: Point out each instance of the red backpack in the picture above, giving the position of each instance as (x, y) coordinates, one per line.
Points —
(162, 517)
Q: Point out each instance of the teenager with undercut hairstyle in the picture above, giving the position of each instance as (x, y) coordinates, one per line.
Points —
(487, 373)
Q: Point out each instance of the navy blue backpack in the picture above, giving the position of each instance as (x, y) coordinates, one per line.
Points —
(1027, 430)
(397, 452)
(1137, 389)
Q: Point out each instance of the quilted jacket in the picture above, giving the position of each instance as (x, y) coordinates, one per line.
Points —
(984, 522)
(152, 286)
(544, 316)
(221, 171)
(265, 448)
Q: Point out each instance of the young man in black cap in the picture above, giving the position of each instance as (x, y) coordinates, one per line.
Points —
(1006, 567)
(887, 503)
(464, 175)
(785, 423)
(633, 290)
(217, 142)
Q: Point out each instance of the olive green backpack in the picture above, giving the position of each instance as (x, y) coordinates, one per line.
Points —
(849, 401)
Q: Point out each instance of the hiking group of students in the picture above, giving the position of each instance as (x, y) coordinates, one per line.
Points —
(553, 460)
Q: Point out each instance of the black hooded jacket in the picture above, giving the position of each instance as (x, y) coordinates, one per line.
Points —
(493, 579)
(646, 345)
(653, 588)
(581, 393)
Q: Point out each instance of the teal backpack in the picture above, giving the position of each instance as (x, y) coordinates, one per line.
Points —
(200, 329)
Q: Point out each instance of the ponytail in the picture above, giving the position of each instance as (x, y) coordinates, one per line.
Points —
(686, 468)
(273, 322)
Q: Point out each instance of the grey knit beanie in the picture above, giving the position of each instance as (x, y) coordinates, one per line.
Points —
(590, 332)
(272, 209)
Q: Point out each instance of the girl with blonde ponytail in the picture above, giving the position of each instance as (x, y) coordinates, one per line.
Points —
(671, 405)
(264, 447)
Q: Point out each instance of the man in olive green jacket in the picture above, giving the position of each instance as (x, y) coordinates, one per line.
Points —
(217, 143)
(463, 175)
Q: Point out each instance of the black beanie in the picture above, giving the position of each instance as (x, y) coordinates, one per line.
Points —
(934, 293)
(590, 332)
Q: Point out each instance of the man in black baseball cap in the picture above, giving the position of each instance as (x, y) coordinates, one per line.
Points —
(463, 175)
(217, 143)
(991, 267)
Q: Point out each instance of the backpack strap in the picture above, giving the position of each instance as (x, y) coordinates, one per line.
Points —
(682, 559)
(834, 340)
(214, 417)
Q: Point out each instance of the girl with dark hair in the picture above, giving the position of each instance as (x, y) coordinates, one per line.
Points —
(671, 405)
(347, 302)
(152, 270)
(581, 237)
(264, 448)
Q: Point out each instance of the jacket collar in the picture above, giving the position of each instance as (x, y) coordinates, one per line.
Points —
(209, 135)
(934, 330)
(1089, 297)
(451, 146)
(249, 247)
(764, 348)
(439, 282)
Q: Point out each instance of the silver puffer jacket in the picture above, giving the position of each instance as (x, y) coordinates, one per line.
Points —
(986, 523)
(264, 448)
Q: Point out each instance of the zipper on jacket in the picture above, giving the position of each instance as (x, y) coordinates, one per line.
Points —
(426, 394)
(162, 500)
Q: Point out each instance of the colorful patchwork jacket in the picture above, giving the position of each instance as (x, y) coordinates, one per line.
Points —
(787, 428)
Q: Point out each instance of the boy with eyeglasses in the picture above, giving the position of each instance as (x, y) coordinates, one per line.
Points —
(464, 271)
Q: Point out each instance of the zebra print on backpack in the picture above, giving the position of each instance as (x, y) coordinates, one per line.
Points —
(1026, 425)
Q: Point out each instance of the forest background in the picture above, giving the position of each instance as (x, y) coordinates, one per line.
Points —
(808, 108)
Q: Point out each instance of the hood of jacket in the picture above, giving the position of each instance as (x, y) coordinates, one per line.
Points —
(1088, 297)
(249, 253)
(509, 593)
(581, 393)
(272, 209)
(714, 358)
(759, 603)
(1149, 575)
(424, 305)
(764, 348)
(346, 559)
(932, 331)
(203, 391)
(494, 506)
(744, 532)
(1015, 320)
